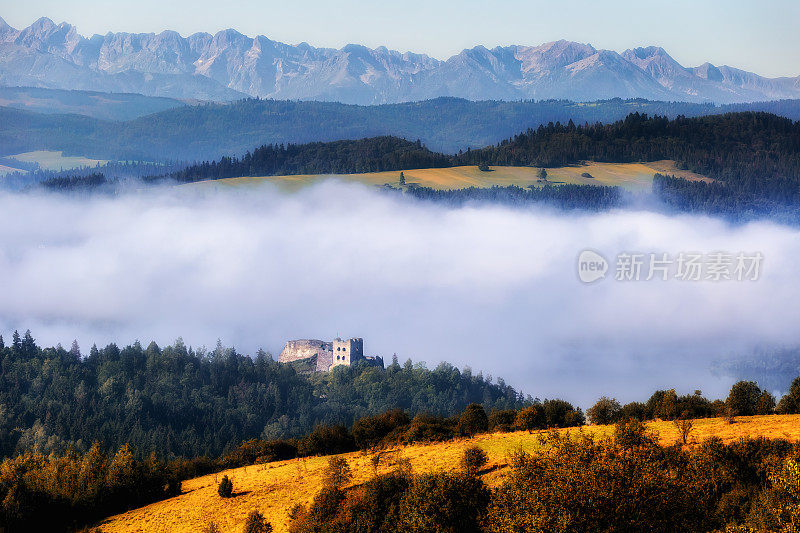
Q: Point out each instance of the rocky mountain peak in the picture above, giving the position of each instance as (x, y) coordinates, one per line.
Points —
(7, 33)
(229, 64)
(707, 71)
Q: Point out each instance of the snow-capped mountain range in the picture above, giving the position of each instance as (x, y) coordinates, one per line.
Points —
(229, 65)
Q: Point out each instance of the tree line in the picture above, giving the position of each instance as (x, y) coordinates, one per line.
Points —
(61, 492)
(745, 398)
(567, 196)
(755, 157)
(374, 154)
(626, 481)
(728, 147)
(178, 401)
(778, 201)
(579, 481)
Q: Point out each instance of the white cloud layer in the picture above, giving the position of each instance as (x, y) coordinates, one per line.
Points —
(490, 287)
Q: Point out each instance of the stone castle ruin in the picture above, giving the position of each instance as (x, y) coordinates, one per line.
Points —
(322, 356)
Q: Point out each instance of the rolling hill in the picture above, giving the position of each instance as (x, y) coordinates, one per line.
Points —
(273, 488)
(630, 176)
(106, 106)
(48, 160)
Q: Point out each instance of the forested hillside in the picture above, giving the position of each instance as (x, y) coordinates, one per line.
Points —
(753, 156)
(339, 157)
(207, 132)
(756, 156)
(723, 147)
(568, 197)
(180, 401)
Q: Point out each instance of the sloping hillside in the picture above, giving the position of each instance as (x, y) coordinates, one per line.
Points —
(629, 176)
(273, 488)
(106, 106)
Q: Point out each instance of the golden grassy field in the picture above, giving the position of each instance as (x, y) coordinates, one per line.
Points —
(49, 160)
(274, 488)
(631, 176)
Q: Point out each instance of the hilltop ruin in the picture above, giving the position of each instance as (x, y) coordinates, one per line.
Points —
(322, 356)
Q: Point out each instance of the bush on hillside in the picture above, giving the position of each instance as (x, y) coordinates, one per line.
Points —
(473, 420)
(370, 432)
(474, 459)
(636, 410)
(765, 404)
(604, 411)
(743, 398)
(615, 484)
(531, 418)
(790, 404)
(425, 428)
(258, 451)
(502, 419)
(445, 503)
(337, 472)
(326, 440)
(632, 433)
(562, 414)
(225, 488)
(255, 523)
(375, 506)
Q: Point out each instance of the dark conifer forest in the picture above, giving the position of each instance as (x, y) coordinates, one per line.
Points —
(566, 197)
(754, 159)
(339, 157)
(178, 401)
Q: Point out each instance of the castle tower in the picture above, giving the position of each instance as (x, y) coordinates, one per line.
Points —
(347, 352)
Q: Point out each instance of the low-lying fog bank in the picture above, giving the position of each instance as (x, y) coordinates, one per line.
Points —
(490, 287)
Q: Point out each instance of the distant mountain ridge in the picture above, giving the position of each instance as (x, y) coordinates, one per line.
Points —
(228, 66)
(210, 131)
(106, 106)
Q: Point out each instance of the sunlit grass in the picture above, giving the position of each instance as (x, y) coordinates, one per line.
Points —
(49, 160)
(274, 488)
(631, 176)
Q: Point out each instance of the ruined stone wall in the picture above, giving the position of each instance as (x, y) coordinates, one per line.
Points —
(324, 360)
(374, 361)
(301, 349)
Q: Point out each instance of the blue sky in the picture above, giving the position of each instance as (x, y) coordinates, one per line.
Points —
(760, 36)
